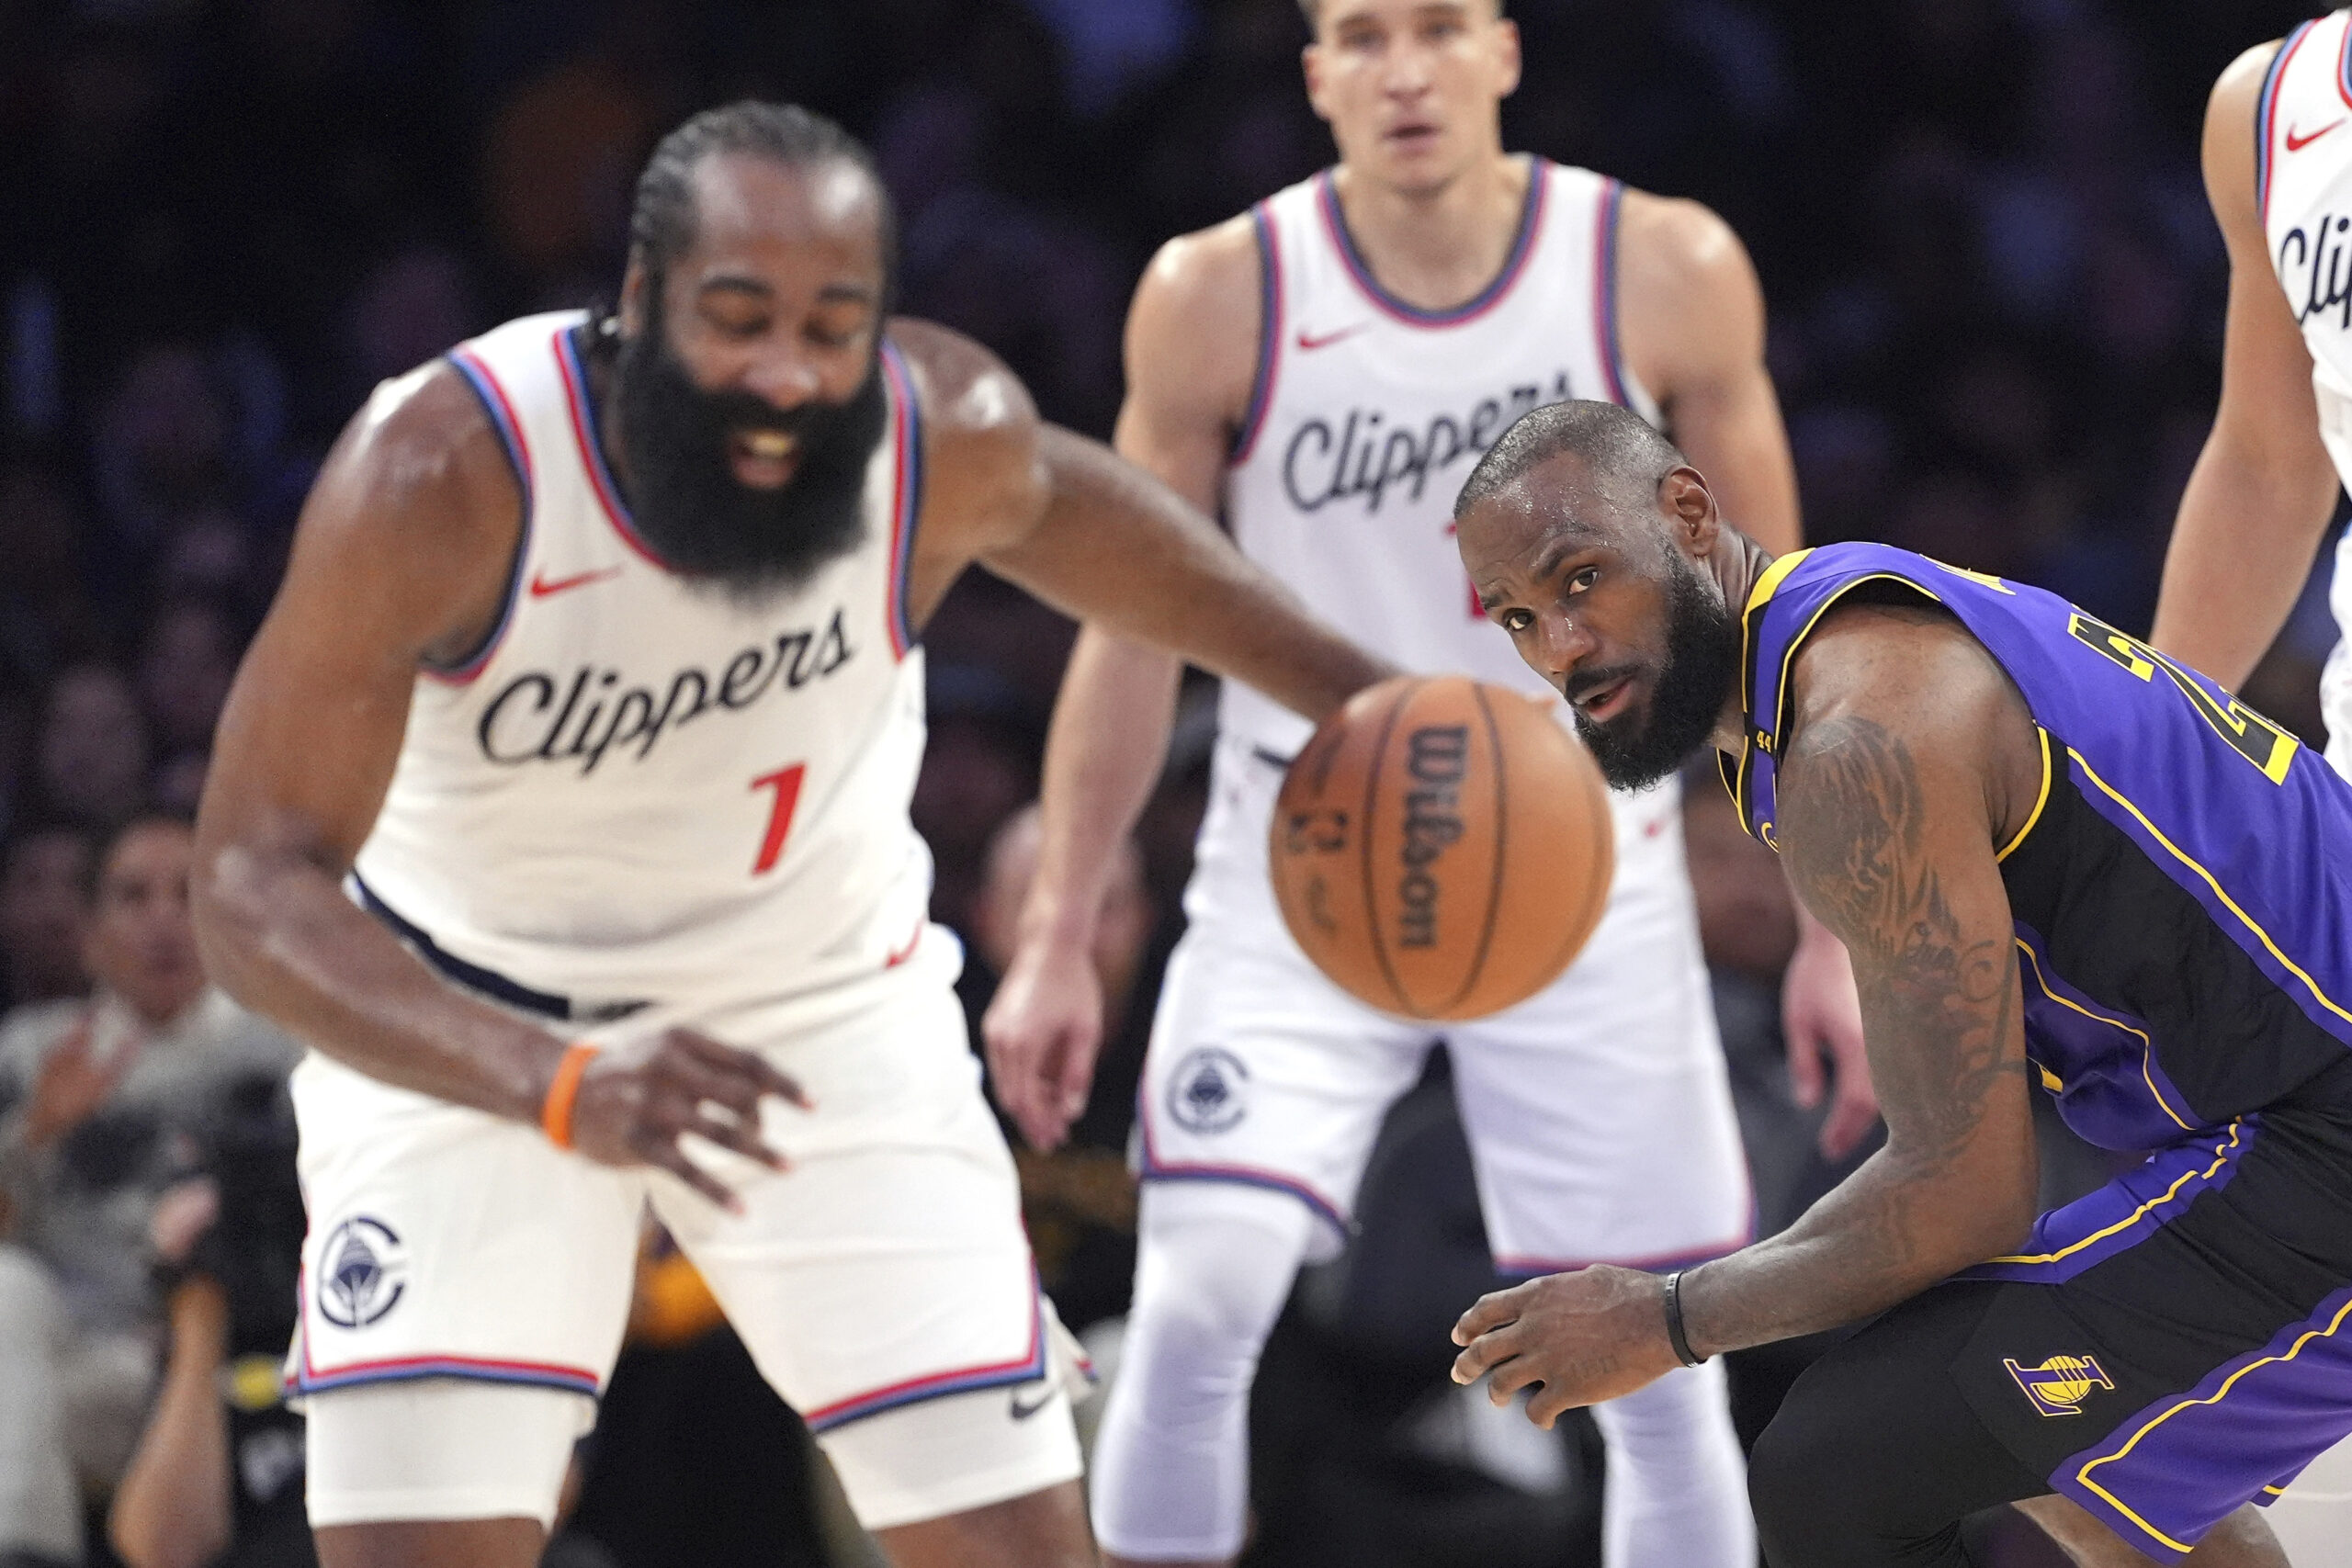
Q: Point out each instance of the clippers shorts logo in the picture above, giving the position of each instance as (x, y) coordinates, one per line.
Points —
(363, 1271)
(2060, 1384)
(1205, 1093)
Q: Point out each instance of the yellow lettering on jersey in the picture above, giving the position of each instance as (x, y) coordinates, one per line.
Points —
(2246, 732)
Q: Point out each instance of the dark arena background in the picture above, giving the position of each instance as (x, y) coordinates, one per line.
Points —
(1997, 304)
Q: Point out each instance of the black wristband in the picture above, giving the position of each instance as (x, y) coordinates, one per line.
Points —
(1674, 1334)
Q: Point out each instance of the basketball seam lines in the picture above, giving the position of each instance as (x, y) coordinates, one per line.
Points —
(1371, 799)
(1496, 874)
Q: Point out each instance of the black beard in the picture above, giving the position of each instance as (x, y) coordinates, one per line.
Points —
(685, 498)
(1702, 661)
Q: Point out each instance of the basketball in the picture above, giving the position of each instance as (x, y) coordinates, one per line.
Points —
(1441, 848)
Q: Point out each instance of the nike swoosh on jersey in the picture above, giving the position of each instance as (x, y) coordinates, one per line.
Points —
(1310, 341)
(1023, 1412)
(2297, 143)
(542, 586)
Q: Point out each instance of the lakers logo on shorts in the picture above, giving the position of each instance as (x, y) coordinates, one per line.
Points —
(2060, 1384)
(363, 1271)
(1205, 1092)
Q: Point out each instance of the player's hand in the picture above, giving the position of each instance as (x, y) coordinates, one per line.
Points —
(1574, 1338)
(75, 1080)
(637, 1100)
(1822, 1017)
(1042, 1033)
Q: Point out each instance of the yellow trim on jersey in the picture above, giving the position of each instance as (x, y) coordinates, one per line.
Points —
(2050, 1080)
(1768, 582)
(2043, 736)
(2147, 1046)
(2221, 1157)
(2083, 1475)
(2157, 833)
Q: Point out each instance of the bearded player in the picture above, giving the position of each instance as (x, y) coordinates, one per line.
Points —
(2060, 858)
(1325, 368)
(562, 804)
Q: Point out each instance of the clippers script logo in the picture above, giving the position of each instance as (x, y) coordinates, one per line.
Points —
(363, 1271)
(1205, 1094)
(2060, 1384)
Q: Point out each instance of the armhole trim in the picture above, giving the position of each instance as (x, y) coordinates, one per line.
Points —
(501, 410)
(2039, 801)
(1269, 335)
(906, 509)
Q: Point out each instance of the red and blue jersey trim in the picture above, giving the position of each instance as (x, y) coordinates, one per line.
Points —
(1523, 246)
(1156, 1169)
(509, 426)
(592, 447)
(1604, 291)
(1269, 334)
(907, 493)
(301, 1377)
(1027, 1367)
(2266, 111)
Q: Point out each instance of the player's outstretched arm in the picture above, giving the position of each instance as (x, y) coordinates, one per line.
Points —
(1890, 810)
(1191, 353)
(403, 555)
(2259, 499)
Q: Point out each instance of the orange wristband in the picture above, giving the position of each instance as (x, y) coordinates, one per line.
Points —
(555, 1111)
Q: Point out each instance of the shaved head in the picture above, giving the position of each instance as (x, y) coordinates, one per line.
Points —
(1622, 451)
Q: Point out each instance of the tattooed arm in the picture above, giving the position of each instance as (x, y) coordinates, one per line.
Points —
(1903, 775)
(1912, 758)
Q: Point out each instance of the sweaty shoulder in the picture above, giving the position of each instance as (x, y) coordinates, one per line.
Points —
(1913, 671)
(1192, 330)
(419, 499)
(982, 480)
(2230, 134)
(1689, 309)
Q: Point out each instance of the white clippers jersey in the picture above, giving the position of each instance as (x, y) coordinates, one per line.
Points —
(1368, 413)
(641, 788)
(2303, 182)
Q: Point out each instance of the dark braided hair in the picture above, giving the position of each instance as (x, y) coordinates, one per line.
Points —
(661, 225)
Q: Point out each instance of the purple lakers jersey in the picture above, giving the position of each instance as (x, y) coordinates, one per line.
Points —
(2183, 890)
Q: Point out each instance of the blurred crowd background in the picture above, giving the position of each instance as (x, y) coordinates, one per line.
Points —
(1996, 307)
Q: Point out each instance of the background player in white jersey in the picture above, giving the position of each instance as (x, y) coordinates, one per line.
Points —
(1328, 368)
(2277, 161)
(2279, 173)
(561, 803)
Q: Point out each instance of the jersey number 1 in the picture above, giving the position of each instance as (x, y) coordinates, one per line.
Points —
(786, 781)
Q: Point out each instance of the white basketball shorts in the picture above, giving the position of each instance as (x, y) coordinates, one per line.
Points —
(1599, 1112)
(883, 1282)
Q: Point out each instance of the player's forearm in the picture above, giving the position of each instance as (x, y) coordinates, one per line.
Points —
(2241, 548)
(1885, 1234)
(278, 933)
(173, 1509)
(1103, 755)
(1118, 546)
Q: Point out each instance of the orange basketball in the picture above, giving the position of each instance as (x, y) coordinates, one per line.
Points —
(1441, 848)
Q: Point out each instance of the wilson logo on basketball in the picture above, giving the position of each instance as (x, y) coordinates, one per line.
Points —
(1440, 849)
(1437, 756)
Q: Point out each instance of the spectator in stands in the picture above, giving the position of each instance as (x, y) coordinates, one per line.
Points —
(91, 759)
(216, 1477)
(99, 1101)
(44, 896)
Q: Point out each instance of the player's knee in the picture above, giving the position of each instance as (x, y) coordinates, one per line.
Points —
(1216, 1265)
(1811, 1482)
